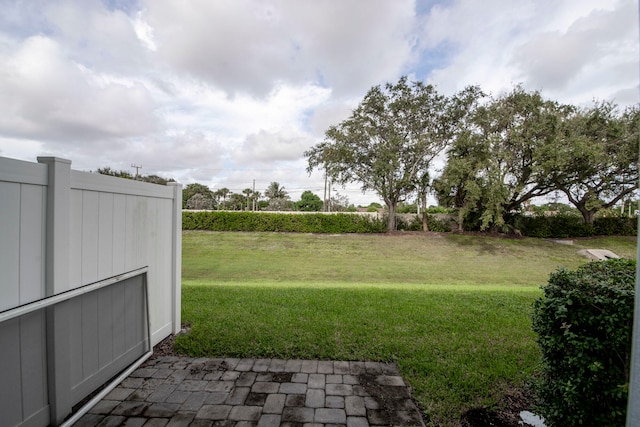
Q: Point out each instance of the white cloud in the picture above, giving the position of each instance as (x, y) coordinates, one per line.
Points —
(224, 92)
(593, 46)
(144, 32)
(95, 36)
(566, 49)
(247, 46)
(271, 146)
(555, 59)
(49, 97)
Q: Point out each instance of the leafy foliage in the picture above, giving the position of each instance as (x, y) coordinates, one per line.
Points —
(562, 226)
(596, 165)
(584, 325)
(278, 198)
(434, 223)
(204, 201)
(390, 139)
(309, 202)
(520, 146)
(263, 221)
(496, 164)
(153, 179)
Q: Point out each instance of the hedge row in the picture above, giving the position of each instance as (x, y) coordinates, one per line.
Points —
(543, 227)
(266, 221)
(573, 226)
(584, 324)
(434, 223)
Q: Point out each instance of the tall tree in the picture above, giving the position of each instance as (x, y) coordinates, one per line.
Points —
(199, 202)
(191, 190)
(275, 191)
(248, 193)
(278, 197)
(236, 201)
(497, 163)
(309, 202)
(388, 142)
(222, 193)
(596, 166)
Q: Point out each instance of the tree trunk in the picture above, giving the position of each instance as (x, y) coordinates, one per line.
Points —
(391, 219)
(425, 225)
(588, 215)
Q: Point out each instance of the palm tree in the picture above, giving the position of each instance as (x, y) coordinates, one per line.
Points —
(274, 191)
(248, 192)
(223, 192)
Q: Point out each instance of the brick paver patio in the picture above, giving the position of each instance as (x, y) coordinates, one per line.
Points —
(180, 391)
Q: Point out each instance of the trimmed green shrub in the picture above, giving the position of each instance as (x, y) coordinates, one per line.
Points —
(562, 226)
(279, 222)
(584, 325)
(434, 223)
(615, 226)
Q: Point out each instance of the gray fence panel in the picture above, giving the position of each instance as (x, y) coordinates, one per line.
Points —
(10, 392)
(107, 334)
(23, 394)
(63, 231)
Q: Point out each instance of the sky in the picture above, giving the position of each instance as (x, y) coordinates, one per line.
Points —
(226, 93)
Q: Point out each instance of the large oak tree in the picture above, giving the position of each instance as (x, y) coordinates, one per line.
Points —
(389, 141)
(498, 162)
(596, 164)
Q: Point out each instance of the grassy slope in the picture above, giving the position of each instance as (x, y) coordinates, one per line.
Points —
(452, 311)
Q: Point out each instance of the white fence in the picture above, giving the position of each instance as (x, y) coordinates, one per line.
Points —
(62, 230)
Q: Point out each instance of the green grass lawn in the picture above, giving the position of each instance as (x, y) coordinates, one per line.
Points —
(453, 311)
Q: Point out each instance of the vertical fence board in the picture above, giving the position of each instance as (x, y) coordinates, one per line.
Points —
(131, 237)
(90, 215)
(89, 321)
(130, 333)
(75, 239)
(155, 293)
(119, 326)
(105, 236)
(75, 343)
(105, 327)
(11, 389)
(32, 233)
(119, 232)
(33, 367)
(163, 251)
(9, 245)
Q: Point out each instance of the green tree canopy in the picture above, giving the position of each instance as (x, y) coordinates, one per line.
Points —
(309, 202)
(206, 201)
(275, 191)
(220, 196)
(498, 161)
(278, 198)
(389, 141)
(596, 165)
(153, 179)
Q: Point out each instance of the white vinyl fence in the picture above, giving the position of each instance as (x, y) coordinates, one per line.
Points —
(89, 282)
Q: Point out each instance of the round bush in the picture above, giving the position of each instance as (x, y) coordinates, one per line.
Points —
(584, 324)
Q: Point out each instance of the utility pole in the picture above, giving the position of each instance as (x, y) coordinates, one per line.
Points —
(137, 168)
(325, 204)
(254, 195)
